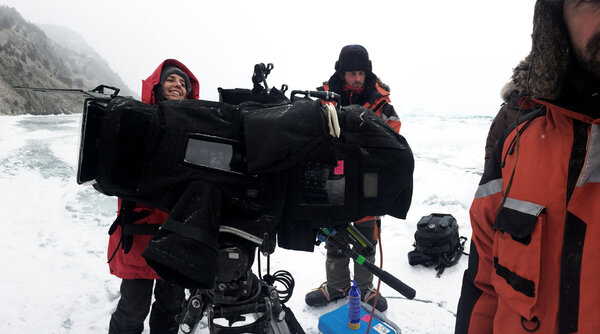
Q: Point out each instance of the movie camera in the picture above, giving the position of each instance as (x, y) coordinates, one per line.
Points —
(251, 171)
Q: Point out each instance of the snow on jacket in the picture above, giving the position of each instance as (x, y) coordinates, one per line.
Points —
(132, 265)
(376, 96)
(534, 264)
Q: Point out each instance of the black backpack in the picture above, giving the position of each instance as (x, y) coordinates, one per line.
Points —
(437, 242)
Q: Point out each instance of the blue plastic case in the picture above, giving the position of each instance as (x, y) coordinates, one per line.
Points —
(336, 322)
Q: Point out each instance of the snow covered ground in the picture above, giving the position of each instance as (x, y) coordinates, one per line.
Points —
(53, 237)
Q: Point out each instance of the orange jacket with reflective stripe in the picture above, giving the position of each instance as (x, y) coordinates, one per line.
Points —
(534, 264)
(378, 102)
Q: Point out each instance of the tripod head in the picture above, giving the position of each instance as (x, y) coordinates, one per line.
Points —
(239, 292)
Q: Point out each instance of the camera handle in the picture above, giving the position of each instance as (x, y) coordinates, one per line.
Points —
(342, 238)
(323, 95)
(261, 72)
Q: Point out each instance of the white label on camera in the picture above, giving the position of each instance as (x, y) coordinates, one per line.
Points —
(234, 256)
(381, 329)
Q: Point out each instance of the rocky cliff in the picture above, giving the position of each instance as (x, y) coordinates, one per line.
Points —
(46, 56)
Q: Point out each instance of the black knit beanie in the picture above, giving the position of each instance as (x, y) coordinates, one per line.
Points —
(168, 70)
(353, 58)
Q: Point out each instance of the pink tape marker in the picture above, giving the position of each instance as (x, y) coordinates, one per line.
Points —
(339, 169)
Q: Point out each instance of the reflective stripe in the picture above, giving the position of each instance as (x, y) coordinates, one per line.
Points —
(389, 118)
(522, 206)
(591, 167)
(492, 187)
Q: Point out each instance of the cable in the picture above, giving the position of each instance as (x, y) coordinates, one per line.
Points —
(116, 249)
(284, 278)
(516, 141)
(258, 263)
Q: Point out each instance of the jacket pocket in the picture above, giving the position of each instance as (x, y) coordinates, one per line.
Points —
(517, 254)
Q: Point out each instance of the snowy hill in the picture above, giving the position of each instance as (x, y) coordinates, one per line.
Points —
(54, 234)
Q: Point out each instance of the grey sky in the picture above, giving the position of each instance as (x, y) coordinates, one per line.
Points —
(437, 55)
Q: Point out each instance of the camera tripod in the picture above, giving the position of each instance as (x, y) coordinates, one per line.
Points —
(271, 315)
(239, 294)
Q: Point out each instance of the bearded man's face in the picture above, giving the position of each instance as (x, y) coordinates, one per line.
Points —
(582, 18)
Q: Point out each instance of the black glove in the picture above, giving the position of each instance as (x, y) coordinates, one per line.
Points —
(127, 216)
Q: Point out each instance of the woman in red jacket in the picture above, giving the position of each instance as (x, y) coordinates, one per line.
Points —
(135, 225)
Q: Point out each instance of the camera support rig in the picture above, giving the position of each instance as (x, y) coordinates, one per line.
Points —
(275, 317)
(239, 293)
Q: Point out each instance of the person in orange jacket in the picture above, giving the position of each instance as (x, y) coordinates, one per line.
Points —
(534, 264)
(135, 225)
(355, 81)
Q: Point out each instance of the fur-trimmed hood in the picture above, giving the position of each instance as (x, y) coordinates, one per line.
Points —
(508, 90)
(542, 72)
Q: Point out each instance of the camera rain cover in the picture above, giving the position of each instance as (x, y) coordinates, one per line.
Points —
(274, 169)
(367, 171)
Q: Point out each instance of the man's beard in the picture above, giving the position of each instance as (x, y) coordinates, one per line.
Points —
(590, 57)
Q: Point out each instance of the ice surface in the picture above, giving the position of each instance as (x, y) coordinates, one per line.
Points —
(54, 235)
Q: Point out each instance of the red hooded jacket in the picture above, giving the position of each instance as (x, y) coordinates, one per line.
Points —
(132, 265)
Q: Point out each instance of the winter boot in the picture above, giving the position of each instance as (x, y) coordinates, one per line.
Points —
(369, 295)
(322, 295)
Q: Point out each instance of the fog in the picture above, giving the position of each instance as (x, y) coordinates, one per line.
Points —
(437, 56)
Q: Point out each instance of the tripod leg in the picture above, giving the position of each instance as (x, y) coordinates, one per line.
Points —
(293, 325)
